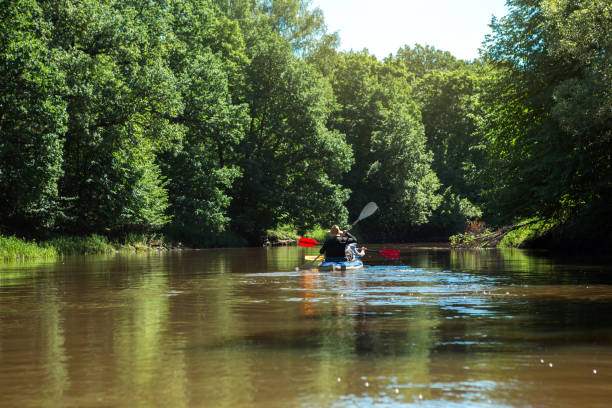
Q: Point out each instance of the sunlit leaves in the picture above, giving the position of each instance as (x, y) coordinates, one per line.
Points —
(32, 118)
(548, 126)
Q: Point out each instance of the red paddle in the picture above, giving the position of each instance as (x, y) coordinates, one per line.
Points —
(308, 242)
(387, 253)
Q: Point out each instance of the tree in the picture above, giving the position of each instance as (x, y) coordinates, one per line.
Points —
(292, 164)
(548, 126)
(32, 120)
(120, 99)
(420, 59)
(381, 118)
(202, 166)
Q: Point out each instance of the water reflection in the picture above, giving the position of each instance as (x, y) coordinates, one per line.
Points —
(242, 327)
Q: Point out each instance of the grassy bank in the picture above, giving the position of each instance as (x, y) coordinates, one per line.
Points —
(16, 249)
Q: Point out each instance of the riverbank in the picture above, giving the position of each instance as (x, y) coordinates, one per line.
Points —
(17, 249)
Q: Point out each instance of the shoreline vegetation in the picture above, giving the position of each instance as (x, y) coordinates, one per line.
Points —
(20, 249)
(527, 234)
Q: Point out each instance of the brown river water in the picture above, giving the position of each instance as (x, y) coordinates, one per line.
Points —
(244, 328)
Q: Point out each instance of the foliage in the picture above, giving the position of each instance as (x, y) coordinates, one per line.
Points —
(216, 121)
(15, 249)
(201, 166)
(282, 233)
(453, 213)
(90, 245)
(381, 118)
(420, 60)
(292, 162)
(32, 119)
(547, 125)
(288, 232)
(119, 98)
(525, 232)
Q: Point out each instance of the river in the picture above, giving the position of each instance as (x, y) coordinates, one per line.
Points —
(244, 328)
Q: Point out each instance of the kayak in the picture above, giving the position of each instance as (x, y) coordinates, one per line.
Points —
(340, 265)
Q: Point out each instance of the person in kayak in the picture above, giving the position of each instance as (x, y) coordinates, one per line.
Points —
(334, 247)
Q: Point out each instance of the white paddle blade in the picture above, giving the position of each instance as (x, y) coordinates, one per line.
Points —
(368, 210)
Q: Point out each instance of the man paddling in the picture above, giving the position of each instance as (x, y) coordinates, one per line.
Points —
(335, 246)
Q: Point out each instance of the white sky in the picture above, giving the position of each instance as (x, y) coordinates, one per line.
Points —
(384, 26)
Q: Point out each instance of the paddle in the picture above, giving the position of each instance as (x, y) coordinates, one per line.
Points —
(308, 242)
(369, 209)
(387, 253)
(309, 264)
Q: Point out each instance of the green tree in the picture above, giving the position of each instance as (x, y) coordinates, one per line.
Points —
(292, 164)
(380, 115)
(32, 119)
(548, 124)
(202, 166)
(420, 59)
(449, 92)
(120, 98)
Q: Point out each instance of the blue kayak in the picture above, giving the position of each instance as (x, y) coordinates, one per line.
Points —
(335, 264)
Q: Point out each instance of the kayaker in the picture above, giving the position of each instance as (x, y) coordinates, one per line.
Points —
(336, 243)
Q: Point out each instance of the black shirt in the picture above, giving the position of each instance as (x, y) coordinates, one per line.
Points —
(334, 247)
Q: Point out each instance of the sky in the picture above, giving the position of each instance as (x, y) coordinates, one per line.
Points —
(384, 26)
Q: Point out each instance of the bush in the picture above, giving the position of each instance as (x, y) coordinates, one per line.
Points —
(92, 245)
(283, 233)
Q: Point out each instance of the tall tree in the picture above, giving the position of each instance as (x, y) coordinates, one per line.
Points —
(120, 98)
(202, 166)
(32, 119)
(380, 115)
(548, 126)
(292, 164)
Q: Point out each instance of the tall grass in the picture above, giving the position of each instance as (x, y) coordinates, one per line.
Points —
(91, 245)
(15, 249)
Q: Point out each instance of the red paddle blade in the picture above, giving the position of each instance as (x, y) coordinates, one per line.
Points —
(390, 253)
(307, 242)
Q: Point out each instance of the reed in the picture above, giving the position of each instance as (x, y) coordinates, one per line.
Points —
(90, 245)
(15, 249)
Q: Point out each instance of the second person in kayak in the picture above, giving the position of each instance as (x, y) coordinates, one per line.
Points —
(336, 243)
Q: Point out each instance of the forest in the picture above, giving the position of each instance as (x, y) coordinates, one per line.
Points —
(211, 122)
